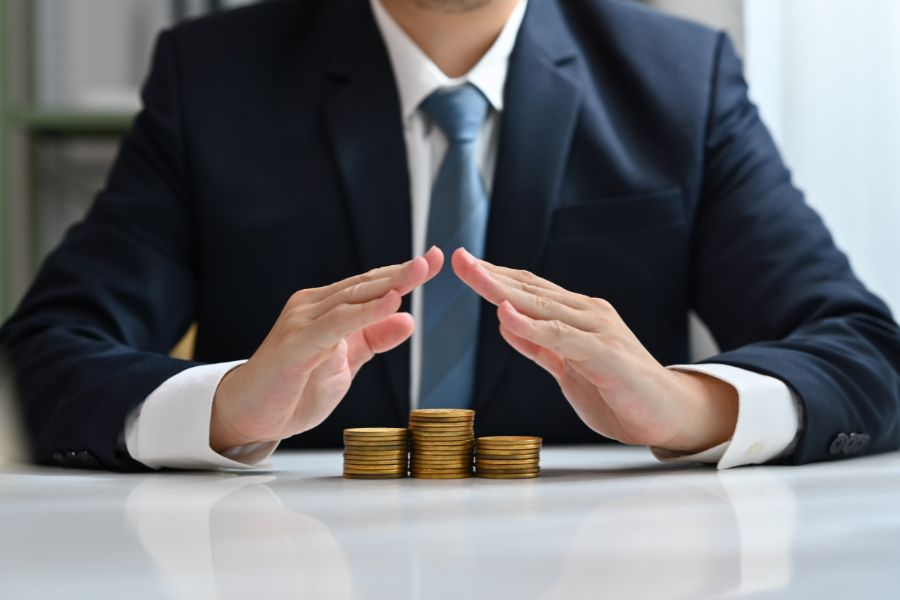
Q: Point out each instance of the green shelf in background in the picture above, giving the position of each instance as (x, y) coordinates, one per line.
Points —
(72, 122)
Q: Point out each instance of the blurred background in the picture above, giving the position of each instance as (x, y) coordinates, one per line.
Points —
(825, 73)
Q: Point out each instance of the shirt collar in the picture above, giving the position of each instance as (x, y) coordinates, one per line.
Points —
(418, 77)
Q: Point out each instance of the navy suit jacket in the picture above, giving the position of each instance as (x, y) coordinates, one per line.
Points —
(269, 157)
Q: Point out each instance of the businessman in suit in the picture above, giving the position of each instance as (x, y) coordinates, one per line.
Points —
(552, 185)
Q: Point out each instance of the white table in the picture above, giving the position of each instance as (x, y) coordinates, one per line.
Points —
(605, 522)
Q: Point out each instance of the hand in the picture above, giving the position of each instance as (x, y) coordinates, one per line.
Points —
(304, 367)
(614, 384)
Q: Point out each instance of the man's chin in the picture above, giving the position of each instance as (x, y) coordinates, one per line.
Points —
(452, 6)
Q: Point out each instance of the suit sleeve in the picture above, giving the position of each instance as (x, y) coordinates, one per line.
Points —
(90, 341)
(777, 294)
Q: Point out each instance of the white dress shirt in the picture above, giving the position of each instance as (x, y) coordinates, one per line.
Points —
(171, 427)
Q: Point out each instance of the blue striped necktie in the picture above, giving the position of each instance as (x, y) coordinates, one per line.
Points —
(457, 217)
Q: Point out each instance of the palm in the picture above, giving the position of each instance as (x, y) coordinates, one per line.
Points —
(621, 415)
(330, 381)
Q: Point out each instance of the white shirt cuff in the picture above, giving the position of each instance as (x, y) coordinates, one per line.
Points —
(170, 429)
(767, 424)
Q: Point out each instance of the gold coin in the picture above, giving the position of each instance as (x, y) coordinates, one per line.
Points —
(377, 453)
(427, 470)
(439, 469)
(490, 444)
(532, 469)
(441, 464)
(445, 431)
(441, 444)
(442, 413)
(375, 431)
(374, 476)
(440, 424)
(354, 470)
(380, 439)
(375, 463)
(508, 439)
(415, 418)
(402, 473)
(484, 456)
(448, 457)
(373, 468)
(389, 445)
(443, 476)
(500, 463)
(518, 450)
(434, 433)
(531, 475)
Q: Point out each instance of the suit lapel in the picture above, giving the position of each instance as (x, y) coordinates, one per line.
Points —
(541, 103)
(364, 121)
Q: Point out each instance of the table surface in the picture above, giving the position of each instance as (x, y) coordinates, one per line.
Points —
(601, 522)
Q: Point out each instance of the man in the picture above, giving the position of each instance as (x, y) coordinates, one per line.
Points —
(609, 150)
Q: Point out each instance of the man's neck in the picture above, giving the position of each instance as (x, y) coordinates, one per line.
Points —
(454, 39)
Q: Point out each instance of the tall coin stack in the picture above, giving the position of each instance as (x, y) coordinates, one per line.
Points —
(442, 443)
(508, 457)
(375, 453)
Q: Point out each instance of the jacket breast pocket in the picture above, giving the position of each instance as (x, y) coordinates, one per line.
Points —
(631, 213)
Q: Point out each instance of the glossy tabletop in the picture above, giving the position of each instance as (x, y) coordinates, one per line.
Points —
(604, 522)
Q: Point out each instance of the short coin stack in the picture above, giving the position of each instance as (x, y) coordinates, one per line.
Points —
(508, 457)
(442, 443)
(375, 453)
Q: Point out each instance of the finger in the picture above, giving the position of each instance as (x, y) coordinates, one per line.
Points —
(378, 338)
(561, 295)
(476, 277)
(312, 295)
(435, 258)
(555, 335)
(535, 305)
(547, 359)
(517, 274)
(342, 320)
(539, 306)
(412, 275)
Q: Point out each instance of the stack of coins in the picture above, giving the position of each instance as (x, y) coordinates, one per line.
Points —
(375, 453)
(508, 457)
(442, 443)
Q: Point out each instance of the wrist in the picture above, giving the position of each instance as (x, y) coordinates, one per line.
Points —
(222, 435)
(709, 409)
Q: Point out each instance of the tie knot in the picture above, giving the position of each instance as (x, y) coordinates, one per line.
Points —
(459, 112)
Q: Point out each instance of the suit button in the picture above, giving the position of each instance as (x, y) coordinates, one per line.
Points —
(70, 458)
(852, 446)
(86, 460)
(838, 444)
(58, 458)
(863, 441)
